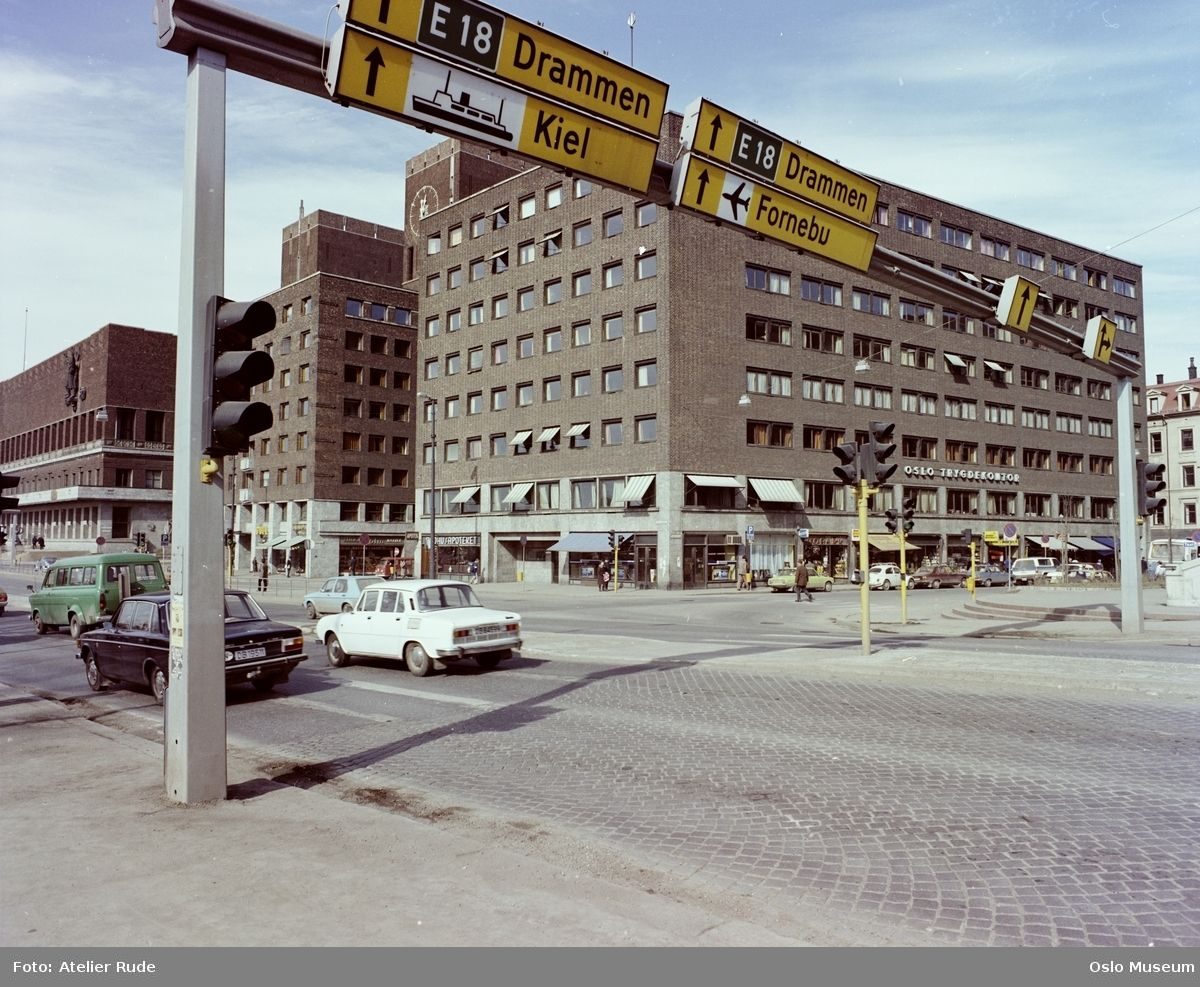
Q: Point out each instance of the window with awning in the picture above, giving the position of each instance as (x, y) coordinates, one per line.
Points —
(776, 491)
(955, 361)
(704, 480)
(520, 442)
(549, 434)
(465, 494)
(635, 489)
(518, 493)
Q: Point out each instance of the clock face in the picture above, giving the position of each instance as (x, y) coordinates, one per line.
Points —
(423, 203)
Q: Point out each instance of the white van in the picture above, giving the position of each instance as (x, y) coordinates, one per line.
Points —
(1035, 568)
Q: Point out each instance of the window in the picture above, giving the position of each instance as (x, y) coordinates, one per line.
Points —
(499, 444)
(453, 364)
(614, 274)
(525, 299)
(962, 502)
(1035, 418)
(645, 429)
(1096, 279)
(1099, 389)
(961, 408)
(525, 394)
(773, 383)
(646, 214)
(552, 243)
(870, 302)
(613, 379)
(614, 327)
(1072, 424)
(526, 207)
(1100, 428)
(918, 357)
(581, 334)
(961, 452)
(475, 314)
(646, 374)
(581, 384)
(823, 389)
(500, 217)
(822, 292)
(581, 234)
(525, 346)
(993, 248)
(499, 398)
(500, 307)
(1031, 258)
(475, 403)
(583, 494)
(1101, 465)
(1070, 462)
(351, 442)
(552, 341)
(581, 284)
(526, 252)
(433, 244)
(646, 320)
(614, 223)
(919, 402)
(823, 340)
(354, 340)
(583, 188)
(499, 352)
(475, 447)
(1122, 286)
(433, 284)
(1038, 379)
(554, 196)
(552, 389)
(913, 311)
(479, 226)
(1068, 384)
(955, 236)
(612, 433)
(455, 235)
(547, 496)
(580, 435)
(553, 292)
(454, 320)
(432, 369)
(1186, 440)
(867, 396)
(354, 309)
(764, 279)
(907, 222)
(997, 373)
(917, 447)
(646, 266)
(1064, 268)
(764, 330)
(500, 261)
(871, 348)
(433, 326)
(478, 269)
(774, 435)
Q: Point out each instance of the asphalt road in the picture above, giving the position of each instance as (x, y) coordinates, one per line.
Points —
(856, 811)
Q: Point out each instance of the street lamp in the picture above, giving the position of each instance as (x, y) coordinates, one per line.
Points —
(431, 404)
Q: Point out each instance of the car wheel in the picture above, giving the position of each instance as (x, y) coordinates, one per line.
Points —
(158, 684)
(76, 626)
(829, 587)
(418, 660)
(37, 623)
(347, 607)
(333, 649)
(264, 685)
(491, 659)
(936, 584)
(94, 679)
(311, 611)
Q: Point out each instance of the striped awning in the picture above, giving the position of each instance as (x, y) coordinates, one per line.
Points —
(578, 429)
(702, 480)
(635, 487)
(517, 493)
(465, 494)
(1085, 544)
(519, 439)
(549, 434)
(955, 361)
(777, 491)
(885, 543)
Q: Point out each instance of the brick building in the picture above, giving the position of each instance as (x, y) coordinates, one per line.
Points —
(597, 362)
(336, 468)
(92, 445)
(1173, 426)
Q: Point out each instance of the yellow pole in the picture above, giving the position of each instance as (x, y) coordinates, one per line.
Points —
(903, 575)
(974, 574)
(864, 590)
(616, 567)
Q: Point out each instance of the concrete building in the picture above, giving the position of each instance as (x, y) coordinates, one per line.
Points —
(594, 362)
(1173, 426)
(330, 487)
(92, 445)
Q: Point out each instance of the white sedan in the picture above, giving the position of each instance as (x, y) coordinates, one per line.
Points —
(427, 622)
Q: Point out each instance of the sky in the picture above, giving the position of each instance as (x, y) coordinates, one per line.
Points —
(1079, 119)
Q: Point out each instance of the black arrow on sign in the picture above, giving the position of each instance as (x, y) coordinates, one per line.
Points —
(1024, 302)
(716, 129)
(375, 60)
(703, 180)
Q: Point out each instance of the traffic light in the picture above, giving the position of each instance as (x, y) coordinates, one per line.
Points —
(847, 454)
(968, 535)
(893, 520)
(3, 537)
(229, 539)
(910, 505)
(7, 483)
(236, 368)
(1151, 479)
(876, 468)
(612, 539)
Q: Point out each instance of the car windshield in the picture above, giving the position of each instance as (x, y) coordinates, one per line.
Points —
(239, 607)
(448, 596)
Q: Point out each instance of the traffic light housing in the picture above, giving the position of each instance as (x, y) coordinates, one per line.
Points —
(612, 539)
(1151, 479)
(910, 505)
(893, 520)
(236, 367)
(876, 469)
(7, 483)
(847, 454)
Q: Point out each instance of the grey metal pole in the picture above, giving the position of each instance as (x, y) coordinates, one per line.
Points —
(194, 729)
(1132, 618)
(433, 491)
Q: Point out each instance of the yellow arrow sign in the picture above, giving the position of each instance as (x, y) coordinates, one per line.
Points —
(1100, 338)
(698, 184)
(390, 79)
(716, 133)
(491, 41)
(1017, 302)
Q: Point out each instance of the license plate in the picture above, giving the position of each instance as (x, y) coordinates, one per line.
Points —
(243, 653)
(487, 629)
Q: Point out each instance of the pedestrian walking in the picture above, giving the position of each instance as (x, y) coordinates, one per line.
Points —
(264, 578)
(743, 573)
(287, 568)
(473, 570)
(802, 583)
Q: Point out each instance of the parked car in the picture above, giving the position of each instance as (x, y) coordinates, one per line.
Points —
(81, 591)
(133, 647)
(1035, 568)
(935, 576)
(991, 574)
(425, 622)
(41, 565)
(337, 593)
(884, 575)
(784, 581)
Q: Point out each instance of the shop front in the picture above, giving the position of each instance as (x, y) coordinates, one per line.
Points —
(366, 554)
(455, 554)
(828, 553)
(580, 553)
(710, 559)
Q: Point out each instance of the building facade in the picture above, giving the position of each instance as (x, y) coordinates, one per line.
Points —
(92, 445)
(330, 487)
(1173, 426)
(594, 362)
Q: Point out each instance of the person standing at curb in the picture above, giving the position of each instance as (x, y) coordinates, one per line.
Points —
(802, 582)
(743, 568)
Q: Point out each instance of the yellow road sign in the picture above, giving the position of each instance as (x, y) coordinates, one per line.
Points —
(708, 188)
(1017, 302)
(713, 132)
(374, 73)
(491, 41)
(1100, 338)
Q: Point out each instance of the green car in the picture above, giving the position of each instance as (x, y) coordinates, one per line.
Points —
(784, 581)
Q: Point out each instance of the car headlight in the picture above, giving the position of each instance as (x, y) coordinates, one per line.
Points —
(228, 656)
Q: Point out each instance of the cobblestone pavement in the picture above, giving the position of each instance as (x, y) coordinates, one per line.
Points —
(1003, 819)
